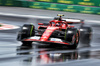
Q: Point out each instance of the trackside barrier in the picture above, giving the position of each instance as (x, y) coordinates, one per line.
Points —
(6, 2)
(51, 6)
(75, 2)
(66, 8)
(17, 3)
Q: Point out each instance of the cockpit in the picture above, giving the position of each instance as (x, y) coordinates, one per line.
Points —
(56, 24)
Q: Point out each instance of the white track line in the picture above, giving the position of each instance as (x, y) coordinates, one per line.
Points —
(42, 17)
(92, 21)
(27, 16)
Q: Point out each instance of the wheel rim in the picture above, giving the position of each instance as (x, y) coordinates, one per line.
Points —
(77, 39)
(73, 39)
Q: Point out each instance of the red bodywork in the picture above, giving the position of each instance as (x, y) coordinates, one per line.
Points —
(53, 25)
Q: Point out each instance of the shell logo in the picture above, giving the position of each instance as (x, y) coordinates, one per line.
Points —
(49, 31)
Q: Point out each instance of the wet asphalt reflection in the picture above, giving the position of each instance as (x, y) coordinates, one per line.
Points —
(36, 54)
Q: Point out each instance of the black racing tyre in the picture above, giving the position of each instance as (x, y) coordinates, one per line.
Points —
(27, 30)
(26, 43)
(72, 36)
(85, 35)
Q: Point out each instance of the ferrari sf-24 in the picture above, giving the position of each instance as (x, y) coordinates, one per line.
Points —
(58, 31)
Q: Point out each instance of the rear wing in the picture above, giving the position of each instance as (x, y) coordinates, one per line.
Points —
(46, 24)
(73, 21)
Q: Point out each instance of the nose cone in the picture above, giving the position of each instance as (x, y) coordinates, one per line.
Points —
(47, 33)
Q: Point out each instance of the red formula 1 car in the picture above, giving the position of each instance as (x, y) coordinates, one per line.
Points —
(57, 31)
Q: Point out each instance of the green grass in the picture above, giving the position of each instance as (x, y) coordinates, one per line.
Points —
(0, 25)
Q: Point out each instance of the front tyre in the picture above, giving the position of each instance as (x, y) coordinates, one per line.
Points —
(26, 43)
(27, 30)
(72, 36)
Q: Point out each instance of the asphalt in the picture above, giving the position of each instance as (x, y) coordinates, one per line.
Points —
(12, 52)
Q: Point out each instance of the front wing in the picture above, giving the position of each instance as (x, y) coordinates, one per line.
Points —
(47, 42)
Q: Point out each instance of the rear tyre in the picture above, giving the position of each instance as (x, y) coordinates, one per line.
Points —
(85, 35)
(27, 30)
(72, 36)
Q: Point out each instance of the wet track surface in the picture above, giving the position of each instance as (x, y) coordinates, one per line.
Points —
(12, 52)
